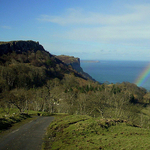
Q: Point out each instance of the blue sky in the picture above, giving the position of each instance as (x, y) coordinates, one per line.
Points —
(89, 29)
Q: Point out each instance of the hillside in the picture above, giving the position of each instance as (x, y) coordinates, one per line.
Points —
(84, 132)
(32, 53)
(25, 68)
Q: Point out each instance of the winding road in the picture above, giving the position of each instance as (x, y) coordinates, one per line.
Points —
(27, 137)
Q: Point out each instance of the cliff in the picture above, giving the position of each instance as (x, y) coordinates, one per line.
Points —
(19, 47)
(74, 62)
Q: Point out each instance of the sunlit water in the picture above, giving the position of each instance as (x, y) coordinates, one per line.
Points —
(116, 71)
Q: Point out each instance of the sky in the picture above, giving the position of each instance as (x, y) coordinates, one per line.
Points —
(88, 29)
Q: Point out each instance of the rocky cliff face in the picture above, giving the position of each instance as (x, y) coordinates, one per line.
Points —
(75, 63)
(70, 60)
(19, 47)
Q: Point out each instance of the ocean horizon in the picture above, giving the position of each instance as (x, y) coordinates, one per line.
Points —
(118, 71)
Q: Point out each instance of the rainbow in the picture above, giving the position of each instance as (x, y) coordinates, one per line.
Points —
(142, 78)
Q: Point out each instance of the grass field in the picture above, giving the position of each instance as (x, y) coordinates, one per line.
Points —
(84, 132)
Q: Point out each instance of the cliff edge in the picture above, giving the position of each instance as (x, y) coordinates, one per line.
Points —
(74, 62)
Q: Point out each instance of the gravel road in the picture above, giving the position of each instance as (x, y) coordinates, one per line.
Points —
(27, 137)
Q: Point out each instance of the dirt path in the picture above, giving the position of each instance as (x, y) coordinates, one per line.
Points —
(27, 137)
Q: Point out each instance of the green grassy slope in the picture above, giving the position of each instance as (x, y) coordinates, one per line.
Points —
(84, 132)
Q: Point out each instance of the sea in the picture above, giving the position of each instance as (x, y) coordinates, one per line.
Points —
(106, 71)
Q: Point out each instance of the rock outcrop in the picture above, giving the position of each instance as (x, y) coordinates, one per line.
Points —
(19, 47)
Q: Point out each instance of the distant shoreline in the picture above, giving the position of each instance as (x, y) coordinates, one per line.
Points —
(90, 61)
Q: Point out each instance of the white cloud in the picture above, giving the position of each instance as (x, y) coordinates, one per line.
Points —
(78, 16)
(100, 27)
(129, 35)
